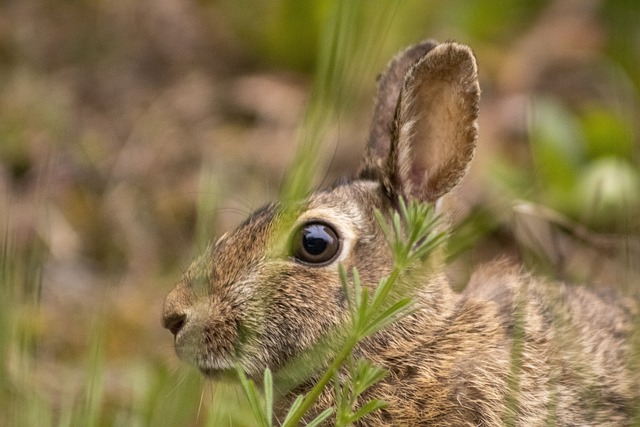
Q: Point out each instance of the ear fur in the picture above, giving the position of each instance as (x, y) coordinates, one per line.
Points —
(433, 135)
(389, 85)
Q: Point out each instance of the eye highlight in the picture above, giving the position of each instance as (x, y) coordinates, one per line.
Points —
(316, 243)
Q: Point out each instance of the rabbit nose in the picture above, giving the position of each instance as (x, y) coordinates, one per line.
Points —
(174, 321)
(176, 308)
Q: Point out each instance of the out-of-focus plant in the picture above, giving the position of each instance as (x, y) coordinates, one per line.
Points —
(583, 165)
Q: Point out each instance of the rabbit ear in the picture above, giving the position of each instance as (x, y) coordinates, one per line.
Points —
(433, 135)
(389, 86)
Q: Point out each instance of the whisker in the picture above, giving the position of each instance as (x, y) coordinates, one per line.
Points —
(200, 403)
(180, 380)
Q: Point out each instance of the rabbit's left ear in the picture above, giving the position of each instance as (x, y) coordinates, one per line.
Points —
(433, 134)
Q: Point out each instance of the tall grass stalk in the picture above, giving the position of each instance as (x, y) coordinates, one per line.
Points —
(91, 408)
(20, 288)
(348, 44)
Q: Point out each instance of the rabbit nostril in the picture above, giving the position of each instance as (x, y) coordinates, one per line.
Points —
(174, 322)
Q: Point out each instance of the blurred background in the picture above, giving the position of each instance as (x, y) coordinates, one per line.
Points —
(131, 133)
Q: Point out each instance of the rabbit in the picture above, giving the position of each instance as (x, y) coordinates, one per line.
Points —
(451, 361)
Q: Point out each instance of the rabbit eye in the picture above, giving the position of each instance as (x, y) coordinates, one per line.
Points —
(316, 243)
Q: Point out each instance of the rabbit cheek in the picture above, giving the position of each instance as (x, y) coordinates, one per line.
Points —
(295, 311)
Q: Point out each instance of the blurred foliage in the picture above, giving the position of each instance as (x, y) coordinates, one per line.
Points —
(620, 17)
(583, 166)
(286, 34)
(133, 132)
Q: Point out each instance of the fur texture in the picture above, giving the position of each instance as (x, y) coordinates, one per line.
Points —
(511, 349)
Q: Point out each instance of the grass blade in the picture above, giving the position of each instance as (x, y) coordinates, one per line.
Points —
(254, 398)
(320, 418)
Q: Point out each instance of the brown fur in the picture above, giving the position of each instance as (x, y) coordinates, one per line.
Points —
(511, 349)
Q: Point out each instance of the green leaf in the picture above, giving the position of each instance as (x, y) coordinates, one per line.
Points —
(294, 407)
(268, 395)
(367, 408)
(344, 282)
(397, 237)
(357, 286)
(396, 311)
(382, 222)
(254, 398)
(363, 313)
(320, 418)
(367, 374)
(379, 289)
(428, 246)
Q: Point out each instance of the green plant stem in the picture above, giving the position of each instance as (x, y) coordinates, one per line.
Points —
(312, 396)
(345, 352)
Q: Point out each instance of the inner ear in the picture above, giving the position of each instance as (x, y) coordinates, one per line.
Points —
(389, 86)
(434, 132)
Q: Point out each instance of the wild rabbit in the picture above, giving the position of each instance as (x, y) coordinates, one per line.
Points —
(451, 361)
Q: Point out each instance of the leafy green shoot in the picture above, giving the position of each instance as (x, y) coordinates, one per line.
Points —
(413, 234)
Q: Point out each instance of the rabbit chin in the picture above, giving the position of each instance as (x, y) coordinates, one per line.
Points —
(214, 367)
(220, 375)
(225, 370)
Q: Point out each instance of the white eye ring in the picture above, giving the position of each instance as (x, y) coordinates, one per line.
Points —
(342, 224)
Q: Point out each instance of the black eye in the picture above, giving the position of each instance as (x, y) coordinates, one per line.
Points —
(316, 243)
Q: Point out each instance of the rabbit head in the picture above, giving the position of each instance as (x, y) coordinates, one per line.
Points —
(258, 299)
